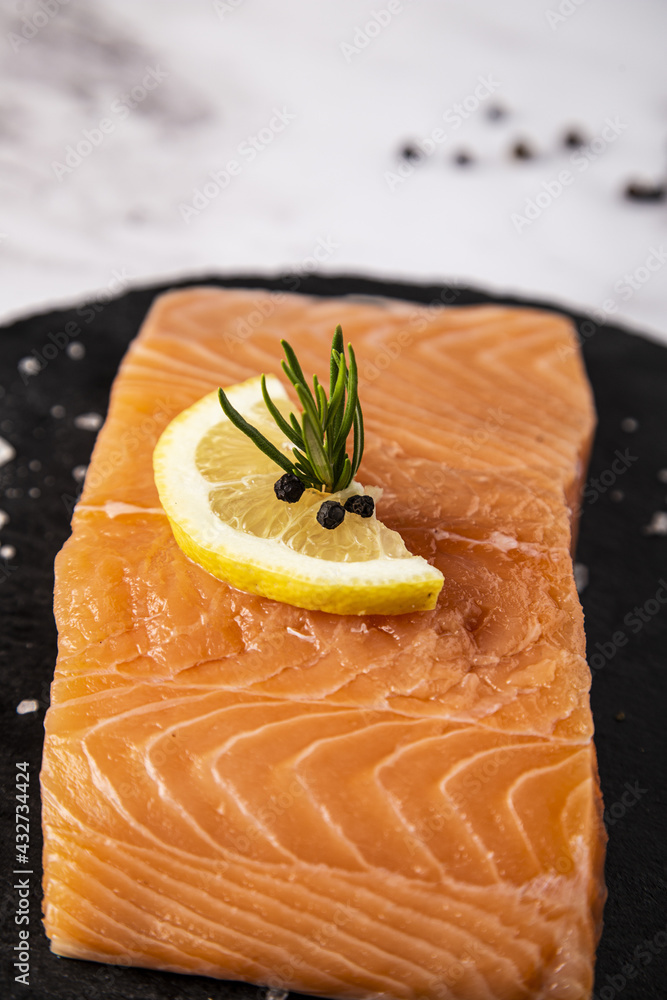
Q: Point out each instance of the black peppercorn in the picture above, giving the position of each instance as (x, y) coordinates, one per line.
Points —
(637, 191)
(573, 139)
(289, 488)
(462, 158)
(330, 514)
(411, 152)
(363, 506)
(522, 151)
(495, 112)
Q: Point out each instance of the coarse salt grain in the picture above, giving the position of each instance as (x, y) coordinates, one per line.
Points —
(26, 706)
(7, 453)
(658, 524)
(29, 366)
(88, 421)
(580, 577)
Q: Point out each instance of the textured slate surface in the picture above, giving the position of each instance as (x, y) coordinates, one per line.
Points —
(626, 623)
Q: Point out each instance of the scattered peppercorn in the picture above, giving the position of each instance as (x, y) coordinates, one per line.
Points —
(289, 488)
(495, 112)
(522, 151)
(573, 139)
(330, 514)
(411, 152)
(462, 158)
(363, 506)
(636, 191)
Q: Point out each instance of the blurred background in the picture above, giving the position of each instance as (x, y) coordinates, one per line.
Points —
(518, 147)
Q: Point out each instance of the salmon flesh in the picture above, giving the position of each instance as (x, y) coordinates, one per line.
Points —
(383, 806)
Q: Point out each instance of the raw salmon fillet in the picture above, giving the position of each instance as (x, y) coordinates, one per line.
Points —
(400, 807)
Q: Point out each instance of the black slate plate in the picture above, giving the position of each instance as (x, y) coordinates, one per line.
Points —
(626, 566)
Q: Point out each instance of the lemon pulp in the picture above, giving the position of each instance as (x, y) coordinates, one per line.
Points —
(242, 496)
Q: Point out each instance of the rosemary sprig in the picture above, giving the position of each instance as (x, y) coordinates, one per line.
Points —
(319, 437)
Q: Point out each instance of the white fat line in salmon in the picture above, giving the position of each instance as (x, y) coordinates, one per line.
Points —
(115, 508)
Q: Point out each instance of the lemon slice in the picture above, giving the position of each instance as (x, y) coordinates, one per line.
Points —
(216, 488)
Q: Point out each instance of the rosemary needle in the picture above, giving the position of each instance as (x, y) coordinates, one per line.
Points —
(319, 434)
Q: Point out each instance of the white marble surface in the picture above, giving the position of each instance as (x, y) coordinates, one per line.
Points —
(324, 181)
